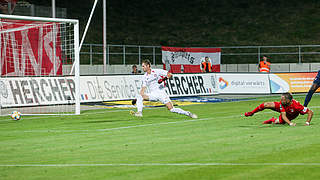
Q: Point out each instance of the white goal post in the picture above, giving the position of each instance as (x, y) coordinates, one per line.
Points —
(37, 55)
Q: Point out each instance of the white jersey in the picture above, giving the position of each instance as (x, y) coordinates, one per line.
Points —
(151, 80)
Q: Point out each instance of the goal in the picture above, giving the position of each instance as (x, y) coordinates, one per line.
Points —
(39, 65)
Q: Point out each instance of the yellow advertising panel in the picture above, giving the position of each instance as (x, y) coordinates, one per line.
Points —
(297, 82)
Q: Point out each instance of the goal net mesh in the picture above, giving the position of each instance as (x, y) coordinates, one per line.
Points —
(37, 66)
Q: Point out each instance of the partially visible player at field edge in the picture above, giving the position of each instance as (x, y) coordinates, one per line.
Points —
(313, 89)
(288, 108)
(154, 79)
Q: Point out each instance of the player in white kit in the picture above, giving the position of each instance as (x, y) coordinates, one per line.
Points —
(154, 79)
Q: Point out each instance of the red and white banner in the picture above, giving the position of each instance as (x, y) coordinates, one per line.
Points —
(188, 60)
(29, 48)
(8, 1)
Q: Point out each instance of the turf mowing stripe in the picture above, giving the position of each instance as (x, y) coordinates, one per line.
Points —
(135, 126)
(102, 112)
(162, 164)
(125, 127)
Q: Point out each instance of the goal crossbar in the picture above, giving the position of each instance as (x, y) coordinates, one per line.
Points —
(31, 18)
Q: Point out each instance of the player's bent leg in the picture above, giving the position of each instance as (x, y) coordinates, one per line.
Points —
(164, 98)
(248, 114)
(257, 109)
(261, 107)
(139, 104)
(308, 97)
(180, 111)
(311, 91)
(270, 121)
(279, 120)
(269, 105)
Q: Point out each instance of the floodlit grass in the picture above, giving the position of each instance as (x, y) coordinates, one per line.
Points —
(110, 144)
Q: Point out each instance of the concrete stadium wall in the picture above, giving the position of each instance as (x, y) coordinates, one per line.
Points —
(280, 67)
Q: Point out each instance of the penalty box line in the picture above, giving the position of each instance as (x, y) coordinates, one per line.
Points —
(161, 164)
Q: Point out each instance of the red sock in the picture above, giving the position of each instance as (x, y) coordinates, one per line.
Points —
(258, 108)
(269, 121)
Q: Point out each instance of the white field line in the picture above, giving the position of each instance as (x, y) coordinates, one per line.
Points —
(161, 164)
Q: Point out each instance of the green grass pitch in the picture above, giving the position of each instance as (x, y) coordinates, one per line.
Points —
(110, 144)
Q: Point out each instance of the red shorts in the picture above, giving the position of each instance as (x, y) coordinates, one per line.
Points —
(281, 121)
(277, 108)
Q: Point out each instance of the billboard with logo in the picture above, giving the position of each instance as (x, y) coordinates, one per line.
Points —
(117, 87)
(33, 91)
(192, 85)
(291, 82)
(243, 83)
(107, 88)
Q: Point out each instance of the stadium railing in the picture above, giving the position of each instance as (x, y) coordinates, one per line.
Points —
(134, 54)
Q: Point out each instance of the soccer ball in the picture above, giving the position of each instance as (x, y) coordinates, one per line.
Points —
(15, 115)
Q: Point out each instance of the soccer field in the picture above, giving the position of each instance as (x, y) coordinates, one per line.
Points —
(111, 144)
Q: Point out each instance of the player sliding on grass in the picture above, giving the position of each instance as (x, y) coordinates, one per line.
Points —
(154, 79)
(288, 108)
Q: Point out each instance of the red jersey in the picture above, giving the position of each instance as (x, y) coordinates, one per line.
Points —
(293, 110)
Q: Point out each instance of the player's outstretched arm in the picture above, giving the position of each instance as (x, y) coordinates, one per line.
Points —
(310, 114)
(169, 75)
(284, 117)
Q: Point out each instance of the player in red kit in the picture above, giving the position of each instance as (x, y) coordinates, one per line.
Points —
(288, 108)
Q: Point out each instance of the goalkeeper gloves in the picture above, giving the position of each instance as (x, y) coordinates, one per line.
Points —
(162, 79)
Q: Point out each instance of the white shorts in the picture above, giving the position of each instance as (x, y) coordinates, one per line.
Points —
(159, 95)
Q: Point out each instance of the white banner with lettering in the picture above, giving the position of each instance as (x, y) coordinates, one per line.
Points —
(108, 88)
(243, 83)
(33, 91)
(191, 56)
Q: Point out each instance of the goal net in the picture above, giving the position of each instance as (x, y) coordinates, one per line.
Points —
(39, 65)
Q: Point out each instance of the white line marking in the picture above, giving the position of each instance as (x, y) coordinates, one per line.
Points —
(162, 164)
